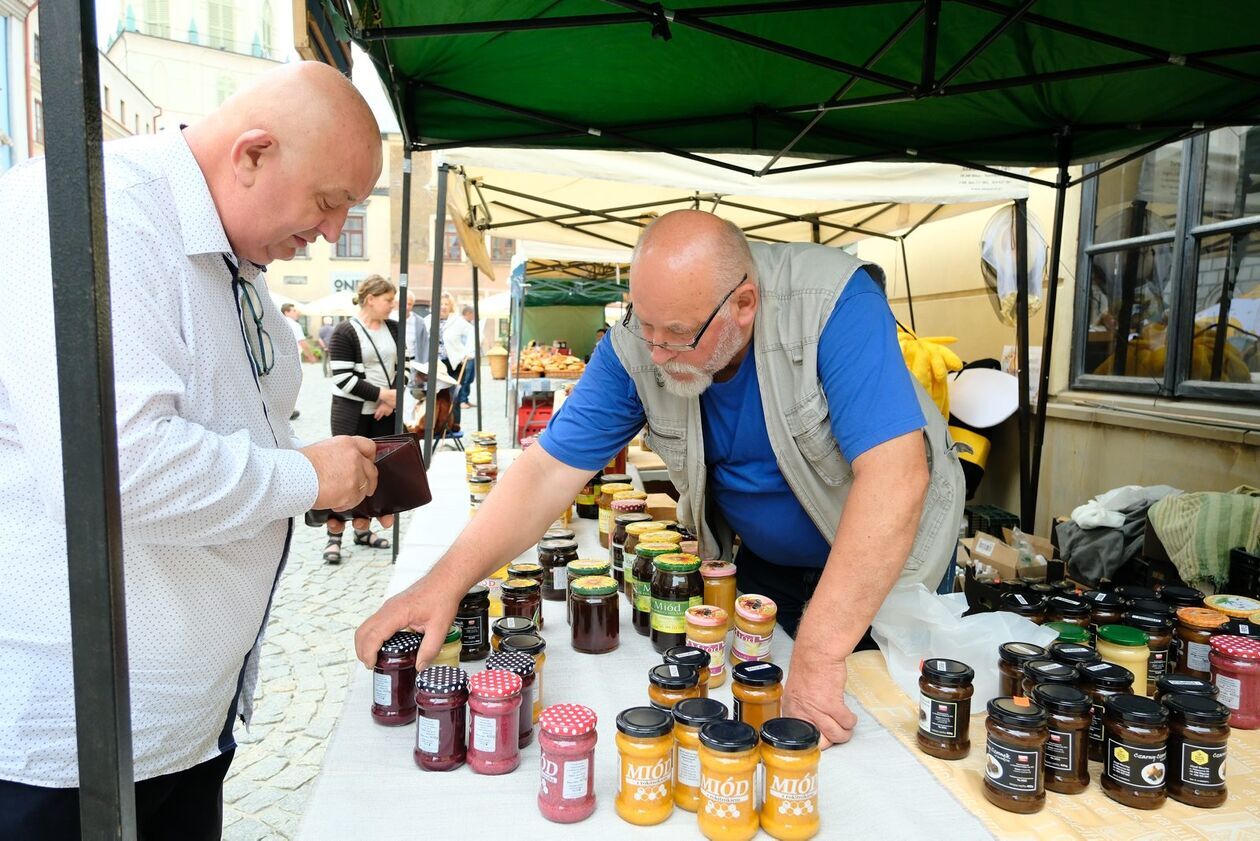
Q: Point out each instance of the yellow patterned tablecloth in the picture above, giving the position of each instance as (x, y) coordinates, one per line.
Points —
(1090, 815)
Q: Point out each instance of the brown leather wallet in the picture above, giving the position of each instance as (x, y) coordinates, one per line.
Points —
(401, 481)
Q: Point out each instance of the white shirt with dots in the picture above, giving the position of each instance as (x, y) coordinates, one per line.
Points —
(209, 477)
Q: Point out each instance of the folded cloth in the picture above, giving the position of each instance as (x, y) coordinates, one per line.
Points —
(1199, 529)
(1107, 510)
(1096, 553)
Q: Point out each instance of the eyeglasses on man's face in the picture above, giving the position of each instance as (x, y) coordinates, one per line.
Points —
(631, 323)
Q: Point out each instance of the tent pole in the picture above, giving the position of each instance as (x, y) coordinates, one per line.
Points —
(905, 265)
(1021, 345)
(1047, 344)
(477, 342)
(815, 231)
(435, 312)
(404, 263)
(85, 388)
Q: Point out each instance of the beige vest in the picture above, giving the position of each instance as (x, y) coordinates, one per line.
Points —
(800, 285)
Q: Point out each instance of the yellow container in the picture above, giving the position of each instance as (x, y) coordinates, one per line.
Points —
(719, 587)
(495, 585)
(706, 630)
(1125, 646)
(789, 749)
(728, 766)
(645, 744)
(449, 654)
(689, 716)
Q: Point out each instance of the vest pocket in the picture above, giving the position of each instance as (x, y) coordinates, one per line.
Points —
(668, 443)
(809, 423)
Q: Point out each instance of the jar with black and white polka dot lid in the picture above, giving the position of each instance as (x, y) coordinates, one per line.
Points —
(442, 680)
(394, 680)
(441, 718)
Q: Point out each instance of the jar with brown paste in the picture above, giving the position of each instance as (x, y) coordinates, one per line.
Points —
(1177, 597)
(1101, 681)
(1073, 654)
(1062, 607)
(1026, 604)
(1037, 672)
(1184, 685)
(554, 556)
(1135, 763)
(1158, 628)
(945, 692)
(1011, 659)
(1067, 746)
(1195, 626)
(1198, 734)
(1015, 747)
(1133, 592)
(1105, 609)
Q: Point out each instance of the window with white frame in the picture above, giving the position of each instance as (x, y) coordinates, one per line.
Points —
(351, 241)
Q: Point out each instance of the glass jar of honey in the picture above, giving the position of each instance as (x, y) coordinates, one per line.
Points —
(536, 647)
(448, 655)
(789, 751)
(719, 587)
(606, 492)
(667, 685)
(689, 716)
(758, 689)
(676, 587)
(706, 630)
(645, 746)
(754, 628)
(728, 769)
(684, 655)
(509, 626)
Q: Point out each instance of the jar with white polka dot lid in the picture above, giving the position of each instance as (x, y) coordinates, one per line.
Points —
(394, 680)
(494, 704)
(567, 738)
(441, 718)
(522, 665)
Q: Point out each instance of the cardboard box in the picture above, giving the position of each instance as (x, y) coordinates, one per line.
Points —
(662, 507)
(987, 549)
(1040, 545)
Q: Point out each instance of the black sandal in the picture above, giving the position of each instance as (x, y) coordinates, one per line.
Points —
(332, 551)
(366, 538)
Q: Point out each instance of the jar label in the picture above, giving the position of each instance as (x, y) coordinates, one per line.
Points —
(575, 777)
(642, 596)
(749, 647)
(688, 767)
(1011, 768)
(1059, 754)
(617, 555)
(791, 790)
(605, 520)
(669, 616)
(1136, 766)
(727, 797)
(428, 735)
(1230, 689)
(717, 654)
(473, 629)
(382, 688)
(485, 734)
(1096, 725)
(1197, 656)
(653, 781)
(559, 578)
(938, 718)
(585, 498)
(1156, 665)
(1203, 765)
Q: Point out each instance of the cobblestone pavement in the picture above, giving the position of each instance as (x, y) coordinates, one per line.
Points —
(307, 656)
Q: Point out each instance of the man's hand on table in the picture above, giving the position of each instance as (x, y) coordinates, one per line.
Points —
(424, 606)
(815, 692)
(346, 469)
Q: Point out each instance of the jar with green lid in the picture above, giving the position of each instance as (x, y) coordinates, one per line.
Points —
(580, 569)
(676, 586)
(634, 531)
(1070, 633)
(641, 605)
(451, 647)
(1125, 647)
(526, 569)
(595, 625)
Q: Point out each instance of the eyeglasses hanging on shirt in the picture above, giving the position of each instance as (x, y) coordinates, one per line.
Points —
(257, 340)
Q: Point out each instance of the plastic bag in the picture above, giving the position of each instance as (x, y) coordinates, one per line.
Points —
(914, 624)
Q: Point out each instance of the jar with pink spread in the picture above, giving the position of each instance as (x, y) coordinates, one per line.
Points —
(494, 704)
(566, 736)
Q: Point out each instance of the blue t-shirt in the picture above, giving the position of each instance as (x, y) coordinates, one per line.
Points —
(869, 396)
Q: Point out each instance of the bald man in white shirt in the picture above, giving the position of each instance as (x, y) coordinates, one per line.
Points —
(210, 474)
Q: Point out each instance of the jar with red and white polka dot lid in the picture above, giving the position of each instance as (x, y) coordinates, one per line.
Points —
(566, 734)
(1236, 672)
(494, 701)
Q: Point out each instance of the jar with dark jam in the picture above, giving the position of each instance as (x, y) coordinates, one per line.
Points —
(1105, 609)
(522, 665)
(521, 598)
(1183, 685)
(617, 542)
(559, 534)
(554, 555)
(509, 626)
(526, 569)
(685, 655)
(1177, 597)
(1101, 681)
(676, 586)
(1158, 628)
(580, 568)
(394, 680)
(945, 708)
(1062, 607)
(441, 718)
(473, 619)
(1135, 763)
(1037, 672)
(1011, 659)
(641, 580)
(1031, 607)
(1067, 748)
(586, 500)
(1016, 744)
(1198, 734)
(1073, 654)
(596, 623)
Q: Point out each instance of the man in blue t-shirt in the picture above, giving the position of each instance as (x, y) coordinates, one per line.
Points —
(695, 297)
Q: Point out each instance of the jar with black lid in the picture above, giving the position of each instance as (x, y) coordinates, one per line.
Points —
(1073, 654)
(1184, 685)
(1158, 628)
(521, 598)
(507, 626)
(1011, 659)
(1198, 734)
(1038, 588)
(1101, 681)
(1239, 628)
(1015, 745)
(1062, 607)
(1067, 748)
(1155, 606)
(1133, 592)
(1176, 596)
(554, 555)
(473, 619)
(945, 693)
(559, 534)
(394, 680)
(676, 587)
(1031, 607)
(685, 655)
(667, 685)
(1037, 672)
(617, 542)
(1105, 609)
(1135, 763)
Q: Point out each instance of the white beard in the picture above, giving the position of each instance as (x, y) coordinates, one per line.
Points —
(700, 378)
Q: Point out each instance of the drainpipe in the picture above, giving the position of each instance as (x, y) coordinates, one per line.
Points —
(30, 101)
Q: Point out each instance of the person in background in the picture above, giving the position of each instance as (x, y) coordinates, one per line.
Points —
(599, 337)
(461, 353)
(290, 311)
(210, 474)
(325, 336)
(364, 358)
(417, 333)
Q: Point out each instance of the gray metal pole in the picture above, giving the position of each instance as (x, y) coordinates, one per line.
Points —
(1021, 345)
(477, 342)
(404, 264)
(89, 440)
(435, 308)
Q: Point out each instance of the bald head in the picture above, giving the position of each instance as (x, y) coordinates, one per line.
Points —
(699, 250)
(286, 159)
